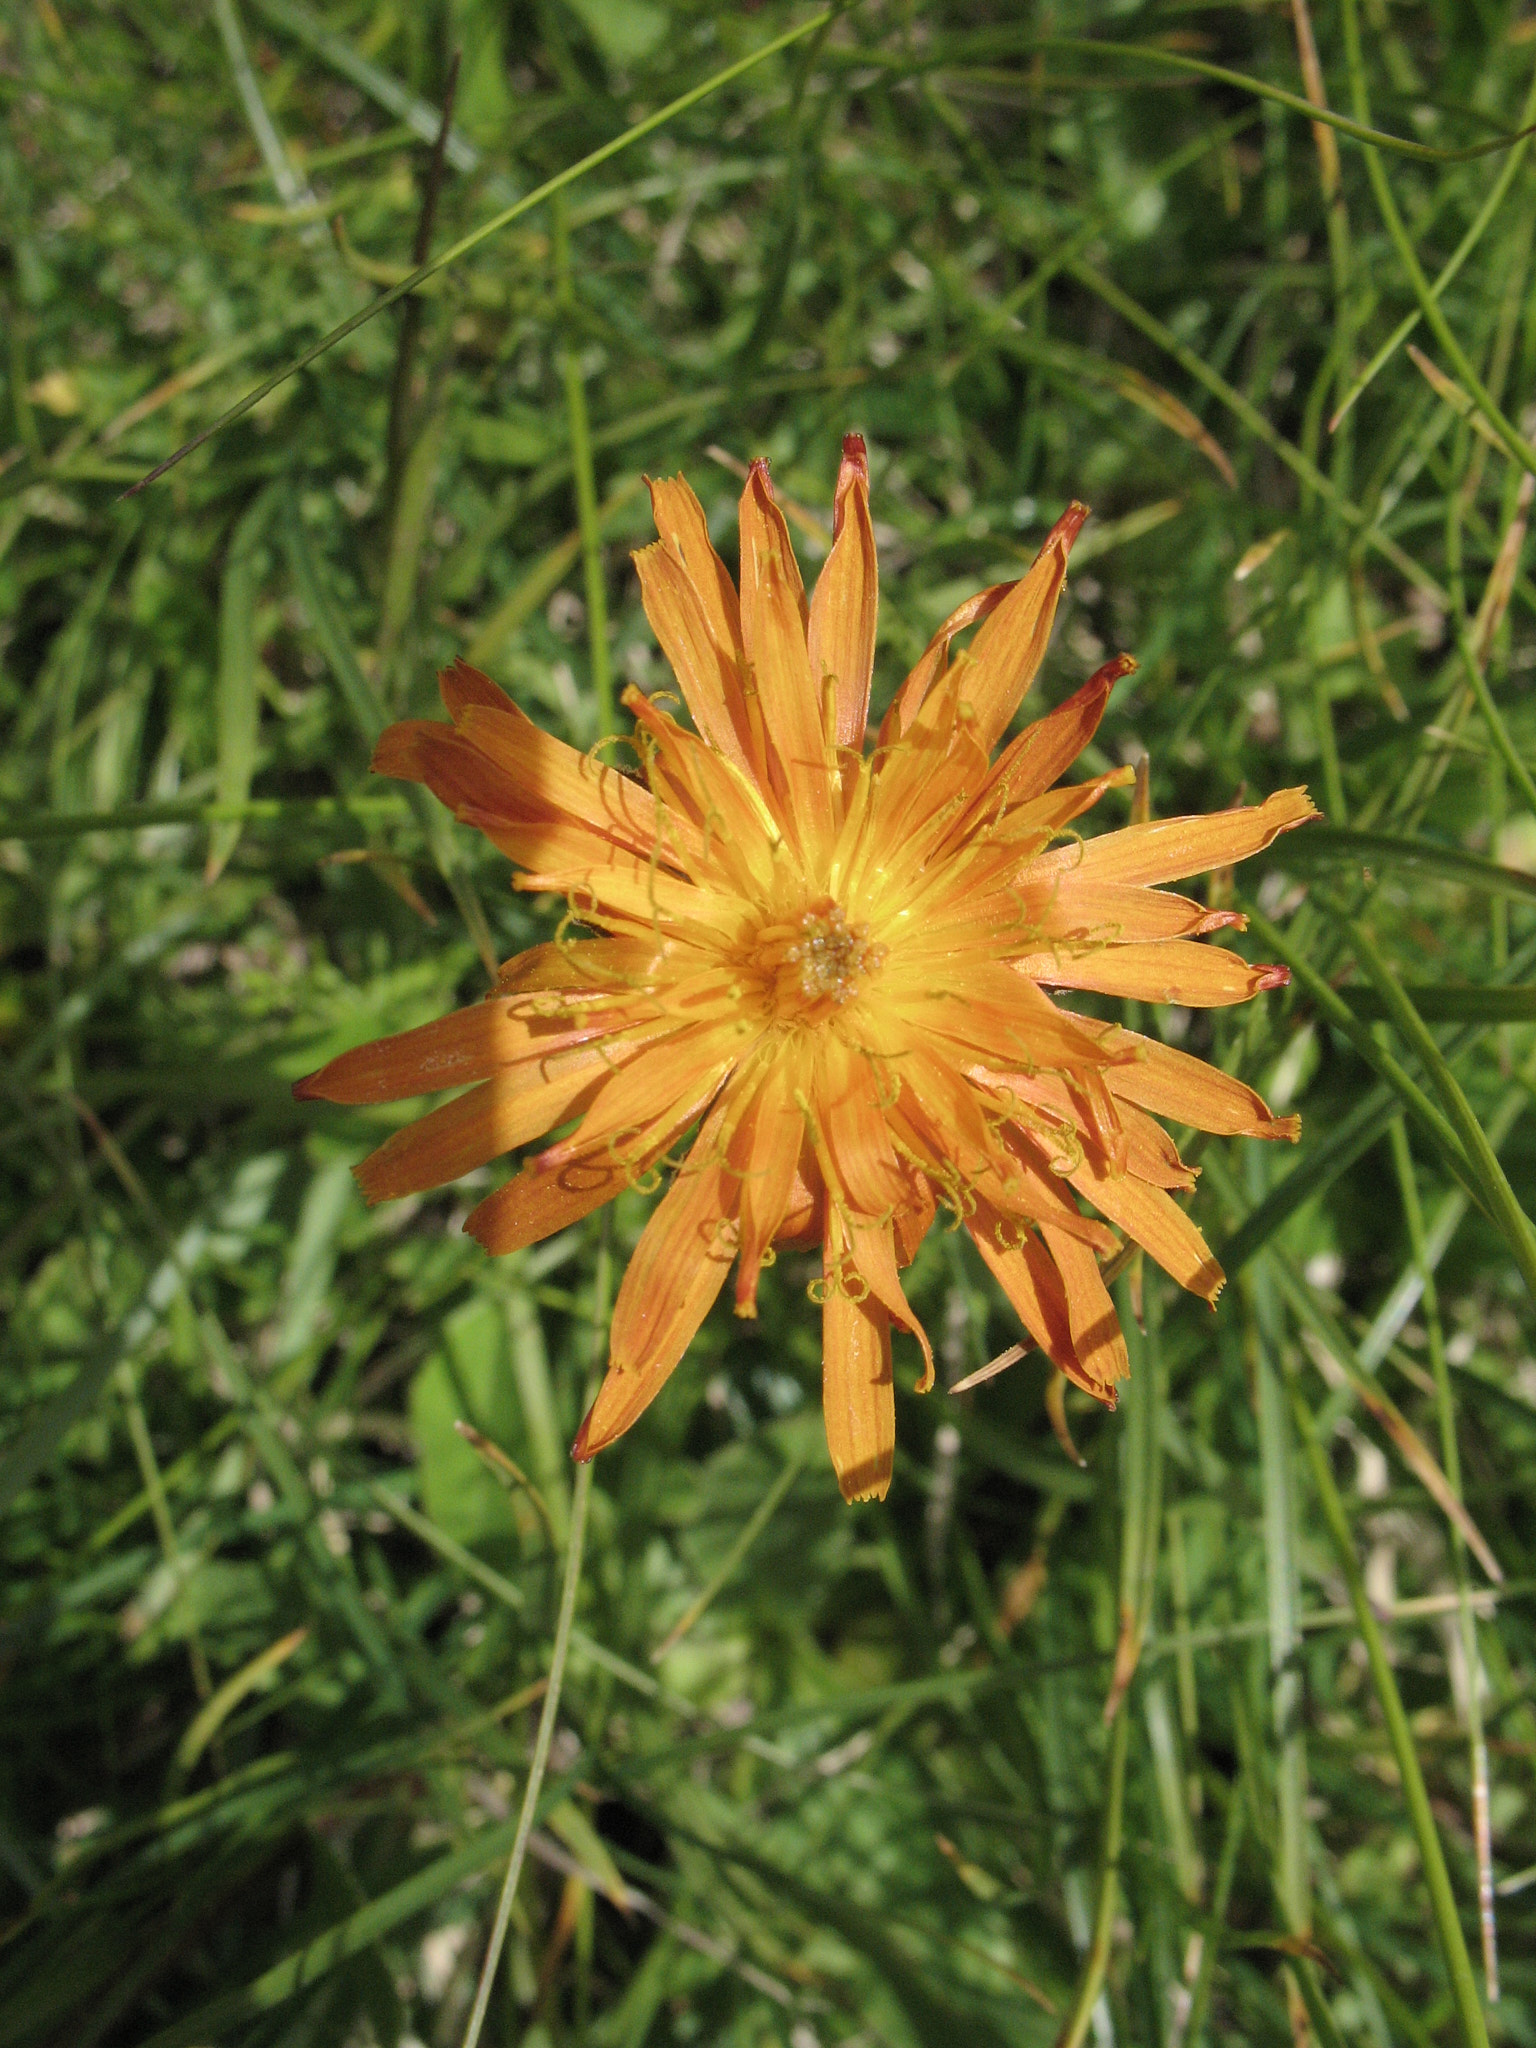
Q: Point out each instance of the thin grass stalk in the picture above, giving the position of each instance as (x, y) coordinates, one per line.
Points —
(579, 427)
(1338, 1013)
(1508, 172)
(581, 1496)
(1450, 1459)
(1141, 1520)
(1497, 1196)
(1277, 1483)
(1210, 1935)
(1453, 1946)
(1513, 442)
(401, 408)
(1091, 1983)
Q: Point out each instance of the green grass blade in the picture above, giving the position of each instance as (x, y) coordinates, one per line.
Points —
(1447, 1921)
(1490, 1183)
(494, 226)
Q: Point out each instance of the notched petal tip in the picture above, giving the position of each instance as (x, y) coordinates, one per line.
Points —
(1271, 977)
(864, 1482)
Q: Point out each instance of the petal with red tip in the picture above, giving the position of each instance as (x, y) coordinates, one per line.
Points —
(1177, 971)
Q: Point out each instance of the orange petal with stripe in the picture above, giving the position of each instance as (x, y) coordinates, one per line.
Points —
(1044, 751)
(858, 1395)
(840, 633)
(933, 663)
(1026, 1273)
(1174, 1084)
(1006, 654)
(459, 686)
(773, 618)
(684, 529)
(707, 668)
(853, 1137)
(539, 1200)
(1177, 971)
(503, 1113)
(468, 1045)
(1168, 849)
(869, 1247)
(765, 1153)
(1155, 1221)
(678, 1268)
(1096, 1334)
(1109, 912)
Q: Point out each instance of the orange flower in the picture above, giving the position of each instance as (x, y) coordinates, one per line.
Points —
(828, 965)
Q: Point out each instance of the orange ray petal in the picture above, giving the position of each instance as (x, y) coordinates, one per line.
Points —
(1096, 1334)
(621, 968)
(853, 1141)
(683, 527)
(669, 1286)
(1174, 1084)
(1006, 654)
(1150, 1153)
(542, 771)
(707, 668)
(914, 1219)
(1029, 1188)
(1027, 1275)
(685, 1066)
(1044, 751)
(869, 1247)
(779, 668)
(1177, 971)
(459, 685)
(840, 634)
(990, 1015)
(733, 822)
(857, 1391)
(1155, 1220)
(1168, 849)
(607, 886)
(468, 1045)
(1116, 911)
(765, 1153)
(509, 1110)
(539, 1200)
(934, 662)
(534, 1204)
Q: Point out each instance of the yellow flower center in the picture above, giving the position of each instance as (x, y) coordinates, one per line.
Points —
(815, 963)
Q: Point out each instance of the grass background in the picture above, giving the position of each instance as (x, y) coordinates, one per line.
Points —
(273, 1636)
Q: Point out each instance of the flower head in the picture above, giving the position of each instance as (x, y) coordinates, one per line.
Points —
(808, 980)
